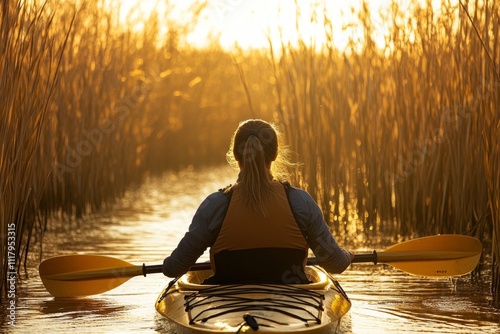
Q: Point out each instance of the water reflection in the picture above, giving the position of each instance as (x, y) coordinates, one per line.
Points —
(71, 309)
(388, 301)
(147, 224)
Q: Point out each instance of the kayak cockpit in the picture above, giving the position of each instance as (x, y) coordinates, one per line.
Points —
(190, 306)
(193, 280)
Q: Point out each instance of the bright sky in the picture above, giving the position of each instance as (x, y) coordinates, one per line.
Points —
(247, 23)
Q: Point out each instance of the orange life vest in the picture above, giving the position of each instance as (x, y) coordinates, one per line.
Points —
(251, 248)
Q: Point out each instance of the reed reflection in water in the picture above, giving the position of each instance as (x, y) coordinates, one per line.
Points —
(147, 224)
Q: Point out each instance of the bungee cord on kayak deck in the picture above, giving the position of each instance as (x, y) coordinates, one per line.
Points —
(338, 287)
(295, 302)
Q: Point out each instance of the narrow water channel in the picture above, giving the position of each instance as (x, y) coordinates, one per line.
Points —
(147, 224)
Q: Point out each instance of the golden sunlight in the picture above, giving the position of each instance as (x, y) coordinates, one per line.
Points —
(252, 24)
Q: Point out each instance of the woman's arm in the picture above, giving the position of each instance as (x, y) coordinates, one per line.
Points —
(329, 254)
(202, 233)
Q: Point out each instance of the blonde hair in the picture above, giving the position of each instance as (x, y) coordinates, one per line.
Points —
(256, 150)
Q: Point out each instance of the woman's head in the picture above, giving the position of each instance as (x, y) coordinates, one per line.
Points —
(256, 153)
(255, 141)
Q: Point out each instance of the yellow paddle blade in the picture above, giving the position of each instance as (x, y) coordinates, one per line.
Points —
(444, 255)
(84, 275)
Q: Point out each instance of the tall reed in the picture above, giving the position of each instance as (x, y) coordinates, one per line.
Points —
(485, 23)
(30, 56)
(91, 105)
(400, 141)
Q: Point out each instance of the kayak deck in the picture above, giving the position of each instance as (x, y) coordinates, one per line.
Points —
(190, 307)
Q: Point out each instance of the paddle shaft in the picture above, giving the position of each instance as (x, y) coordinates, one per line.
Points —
(133, 271)
(312, 261)
(375, 257)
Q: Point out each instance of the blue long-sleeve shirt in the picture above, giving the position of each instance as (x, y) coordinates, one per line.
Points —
(209, 217)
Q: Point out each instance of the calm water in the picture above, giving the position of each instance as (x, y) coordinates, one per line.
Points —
(148, 223)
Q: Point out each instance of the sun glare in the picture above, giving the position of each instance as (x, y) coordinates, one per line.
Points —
(252, 24)
(255, 23)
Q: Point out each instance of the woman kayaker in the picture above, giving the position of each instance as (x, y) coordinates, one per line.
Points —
(260, 229)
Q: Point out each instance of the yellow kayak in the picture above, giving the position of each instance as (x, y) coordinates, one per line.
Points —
(190, 307)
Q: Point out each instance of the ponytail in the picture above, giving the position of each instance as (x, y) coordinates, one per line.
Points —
(255, 178)
(254, 147)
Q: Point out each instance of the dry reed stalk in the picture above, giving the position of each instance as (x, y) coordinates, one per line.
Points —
(29, 58)
(125, 103)
(398, 135)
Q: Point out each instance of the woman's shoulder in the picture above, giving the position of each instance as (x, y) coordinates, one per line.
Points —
(219, 194)
(304, 207)
(227, 189)
(222, 195)
(296, 193)
(215, 202)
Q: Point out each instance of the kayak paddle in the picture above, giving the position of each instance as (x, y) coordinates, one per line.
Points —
(435, 256)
